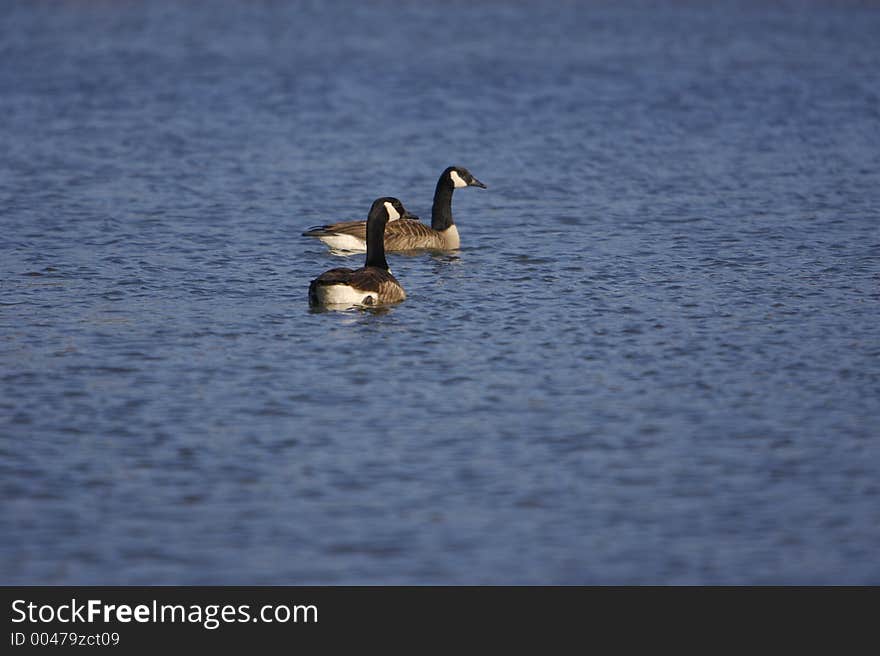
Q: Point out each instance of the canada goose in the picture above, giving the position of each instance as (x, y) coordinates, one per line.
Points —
(372, 284)
(408, 233)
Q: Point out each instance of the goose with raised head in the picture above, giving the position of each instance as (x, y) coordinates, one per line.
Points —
(408, 233)
(373, 283)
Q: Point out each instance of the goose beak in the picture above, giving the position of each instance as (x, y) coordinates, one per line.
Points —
(476, 183)
(407, 215)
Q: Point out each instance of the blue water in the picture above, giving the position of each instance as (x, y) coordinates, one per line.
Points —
(656, 358)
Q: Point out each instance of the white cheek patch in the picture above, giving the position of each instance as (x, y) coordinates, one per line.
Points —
(393, 214)
(457, 180)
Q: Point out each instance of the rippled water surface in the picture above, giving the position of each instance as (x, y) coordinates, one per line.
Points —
(656, 358)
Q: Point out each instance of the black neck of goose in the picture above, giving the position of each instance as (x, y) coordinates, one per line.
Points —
(441, 212)
(376, 240)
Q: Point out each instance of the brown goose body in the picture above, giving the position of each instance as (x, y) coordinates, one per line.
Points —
(364, 286)
(373, 283)
(407, 234)
(400, 235)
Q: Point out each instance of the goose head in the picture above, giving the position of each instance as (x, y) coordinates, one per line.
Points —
(395, 209)
(461, 177)
(387, 208)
